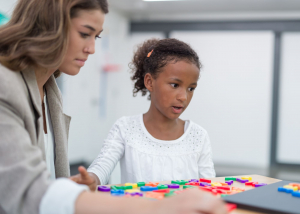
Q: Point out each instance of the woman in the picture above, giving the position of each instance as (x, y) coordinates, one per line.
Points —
(43, 39)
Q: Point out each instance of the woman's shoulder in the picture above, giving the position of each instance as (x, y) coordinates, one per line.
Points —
(13, 89)
(8, 76)
(11, 82)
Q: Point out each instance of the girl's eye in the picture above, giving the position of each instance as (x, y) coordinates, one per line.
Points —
(84, 35)
(97, 37)
(174, 85)
(191, 89)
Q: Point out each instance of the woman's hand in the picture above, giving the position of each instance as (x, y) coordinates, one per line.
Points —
(84, 177)
(191, 201)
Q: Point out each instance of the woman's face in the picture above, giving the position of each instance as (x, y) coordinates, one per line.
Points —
(85, 29)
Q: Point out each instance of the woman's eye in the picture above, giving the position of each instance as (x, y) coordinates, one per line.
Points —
(191, 89)
(174, 85)
(84, 35)
(97, 37)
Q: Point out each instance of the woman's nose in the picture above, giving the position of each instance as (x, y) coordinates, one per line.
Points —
(90, 47)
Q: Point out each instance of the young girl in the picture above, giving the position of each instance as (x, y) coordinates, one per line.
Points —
(157, 145)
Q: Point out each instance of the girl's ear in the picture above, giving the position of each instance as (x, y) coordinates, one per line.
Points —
(148, 82)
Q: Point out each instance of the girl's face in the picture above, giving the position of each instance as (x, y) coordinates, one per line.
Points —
(173, 89)
(84, 30)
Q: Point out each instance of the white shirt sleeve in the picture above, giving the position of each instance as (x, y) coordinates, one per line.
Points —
(111, 152)
(205, 163)
(61, 196)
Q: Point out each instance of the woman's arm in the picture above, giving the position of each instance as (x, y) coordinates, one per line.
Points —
(24, 179)
(191, 201)
(24, 176)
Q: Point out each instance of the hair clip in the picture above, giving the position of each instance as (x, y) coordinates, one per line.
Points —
(149, 54)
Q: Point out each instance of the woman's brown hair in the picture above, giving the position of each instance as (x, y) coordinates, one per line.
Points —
(37, 35)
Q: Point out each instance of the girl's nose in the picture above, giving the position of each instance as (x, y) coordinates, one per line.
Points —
(182, 96)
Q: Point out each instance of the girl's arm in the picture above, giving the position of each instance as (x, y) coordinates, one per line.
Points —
(88, 178)
(205, 163)
(100, 170)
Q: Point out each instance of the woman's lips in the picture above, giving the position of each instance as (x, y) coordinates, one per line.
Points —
(177, 110)
(80, 62)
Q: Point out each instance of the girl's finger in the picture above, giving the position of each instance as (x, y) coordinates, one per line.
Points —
(84, 174)
(74, 178)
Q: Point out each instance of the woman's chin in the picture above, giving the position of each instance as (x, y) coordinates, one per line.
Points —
(72, 72)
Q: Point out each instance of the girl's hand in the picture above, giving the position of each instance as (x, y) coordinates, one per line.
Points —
(84, 177)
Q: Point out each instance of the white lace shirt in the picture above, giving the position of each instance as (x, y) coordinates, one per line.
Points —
(145, 158)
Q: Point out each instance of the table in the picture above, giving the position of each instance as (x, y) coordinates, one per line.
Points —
(258, 178)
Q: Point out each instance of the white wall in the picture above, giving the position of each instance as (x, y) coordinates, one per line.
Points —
(289, 115)
(219, 16)
(7, 6)
(233, 100)
(233, 97)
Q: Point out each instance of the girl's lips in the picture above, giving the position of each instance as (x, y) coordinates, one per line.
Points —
(177, 110)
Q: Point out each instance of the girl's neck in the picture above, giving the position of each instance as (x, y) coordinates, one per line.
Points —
(161, 127)
(157, 119)
(42, 76)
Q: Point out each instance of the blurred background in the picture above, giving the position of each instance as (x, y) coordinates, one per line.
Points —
(248, 96)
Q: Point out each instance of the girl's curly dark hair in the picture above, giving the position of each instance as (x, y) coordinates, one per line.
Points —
(164, 51)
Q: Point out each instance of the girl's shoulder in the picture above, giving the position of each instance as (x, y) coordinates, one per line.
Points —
(128, 121)
(195, 129)
(134, 123)
(129, 127)
(195, 126)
